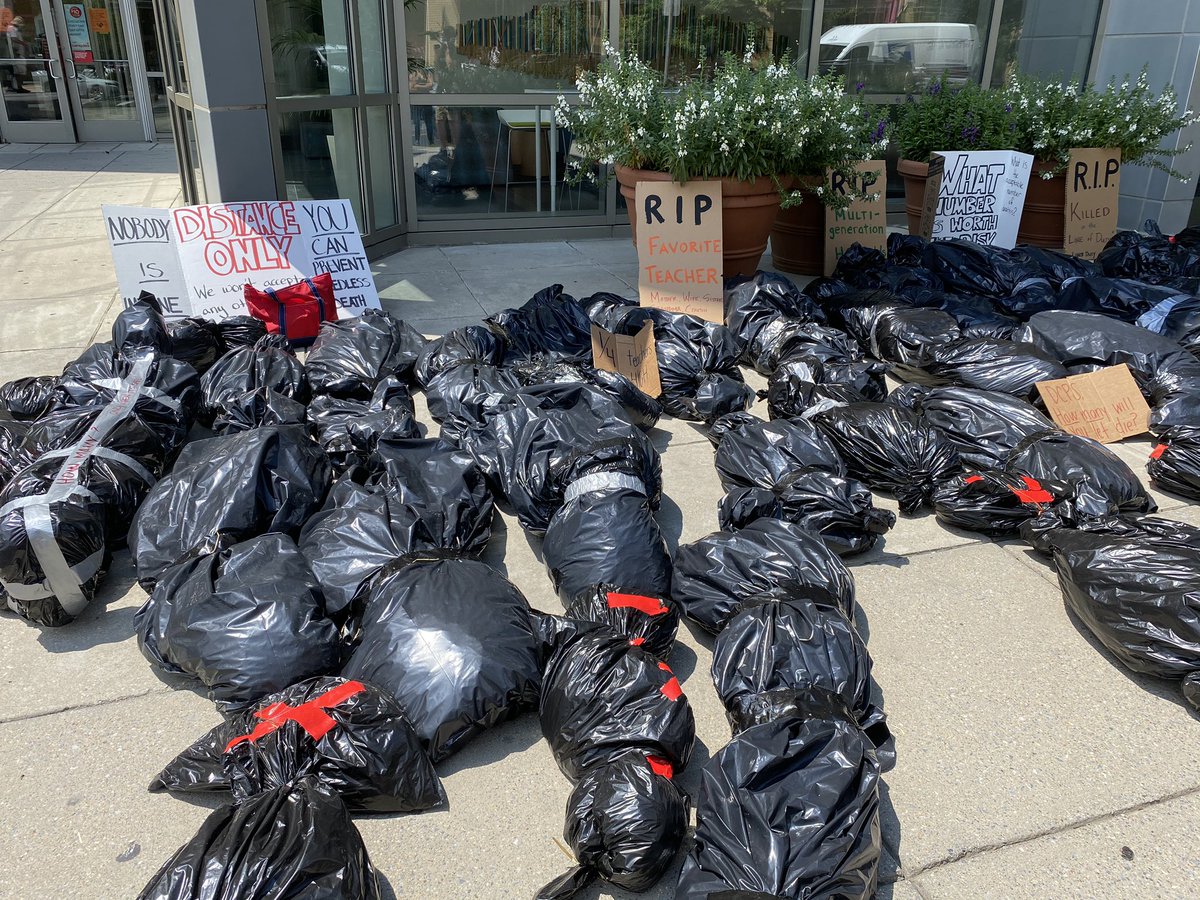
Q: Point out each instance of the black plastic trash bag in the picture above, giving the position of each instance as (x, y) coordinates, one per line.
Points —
(550, 324)
(1174, 463)
(462, 396)
(1015, 282)
(1182, 324)
(648, 622)
(225, 490)
(453, 641)
(603, 697)
(626, 820)
(12, 457)
(349, 429)
(891, 450)
(908, 336)
(96, 376)
(237, 378)
(260, 408)
(428, 499)
(1056, 265)
(1121, 298)
(763, 299)
(293, 841)
(140, 327)
(717, 575)
(640, 408)
(546, 442)
(993, 364)
(789, 808)
(983, 426)
(605, 533)
(1096, 480)
(754, 453)
(26, 399)
(800, 387)
(771, 656)
(1151, 256)
(350, 357)
(1136, 592)
(246, 621)
(196, 342)
(241, 331)
(993, 503)
(353, 737)
(471, 344)
(978, 317)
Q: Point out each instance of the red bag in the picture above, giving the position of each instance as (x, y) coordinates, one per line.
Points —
(295, 311)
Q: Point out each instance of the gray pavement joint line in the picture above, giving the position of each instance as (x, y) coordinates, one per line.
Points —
(107, 701)
(920, 892)
(115, 157)
(972, 852)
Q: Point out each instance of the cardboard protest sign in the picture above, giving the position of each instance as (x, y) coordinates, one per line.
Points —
(863, 221)
(981, 195)
(933, 189)
(679, 248)
(271, 244)
(1093, 191)
(144, 257)
(1105, 405)
(634, 357)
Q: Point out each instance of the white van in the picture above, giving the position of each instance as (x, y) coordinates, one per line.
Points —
(902, 56)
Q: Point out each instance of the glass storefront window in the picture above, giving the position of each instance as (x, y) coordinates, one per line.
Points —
(320, 156)
(1045, 37)
(483, 161)
(502, 46)
(25, 81)
(310, 47)
(372, 37)
(383, 156)
(899, 46)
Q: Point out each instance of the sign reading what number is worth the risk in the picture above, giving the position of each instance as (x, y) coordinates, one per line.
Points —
(1093, 192)
(863, 221)
(205, 255)
(679, 248)
(980, 195)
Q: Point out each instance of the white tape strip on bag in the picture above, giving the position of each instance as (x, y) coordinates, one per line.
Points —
(603, 481)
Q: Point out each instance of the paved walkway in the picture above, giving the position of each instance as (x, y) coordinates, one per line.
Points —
(1030, 764)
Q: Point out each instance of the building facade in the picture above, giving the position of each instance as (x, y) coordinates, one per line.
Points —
(433, 117)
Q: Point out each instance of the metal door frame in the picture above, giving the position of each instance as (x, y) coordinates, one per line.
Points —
(61, 130)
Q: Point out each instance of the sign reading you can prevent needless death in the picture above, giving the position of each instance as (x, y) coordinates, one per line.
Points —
(863, 221)
(1093, 191)
(1104, 405)
(980, 195)
(679, 248)
(207, 254)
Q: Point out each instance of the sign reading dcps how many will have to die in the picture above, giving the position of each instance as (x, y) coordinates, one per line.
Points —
(679, 247)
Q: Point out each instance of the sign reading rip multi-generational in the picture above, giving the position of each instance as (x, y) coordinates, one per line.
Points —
(1093, 192)
(981, 195)
(864, 221)
(220, 248)
(679, 248)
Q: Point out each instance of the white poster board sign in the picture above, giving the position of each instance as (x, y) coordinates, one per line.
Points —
(220, 248)
(981, 196)
(143, 250)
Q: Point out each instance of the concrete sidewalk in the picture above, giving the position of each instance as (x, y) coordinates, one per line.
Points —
(1030, 764)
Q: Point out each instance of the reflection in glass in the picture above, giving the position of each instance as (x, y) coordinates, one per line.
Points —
(106, 90)
(383, 165)
(1045, 37)
(192, 154)
(29, 91)
(159, 104)
(320, 156)
(504, 46)
(374, 51)
(900, 46)
(487, 161)
(310, 47)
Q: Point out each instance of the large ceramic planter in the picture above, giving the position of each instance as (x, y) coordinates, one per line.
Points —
(915, 175)
(798, 238)
(1044, 216)
(748, 210)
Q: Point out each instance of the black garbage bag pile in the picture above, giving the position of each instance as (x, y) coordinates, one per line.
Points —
(348, 429)
(641, 409)
(351, 357)
(197, 342)
(1121, 298)
(257, 385)
(1150, 256)
(1181, 322)
(245, 621)
(26, 399)
(1174, 463)
(787, 469)
(891, 449)
(1011, 279)
(697, 360)
(648, 622)
(461, 396)
(900, 273)
(994, 503)
(550, 324)
(620, 729)
(1132, 582)
(761, 302)
(225, 490)
(802, 387)
(469, 345)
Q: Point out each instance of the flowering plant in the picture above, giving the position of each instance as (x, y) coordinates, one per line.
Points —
(745, 121)
(1052, 118)
(953, 117)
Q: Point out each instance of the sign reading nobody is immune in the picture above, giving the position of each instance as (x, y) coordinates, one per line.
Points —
(679, 248)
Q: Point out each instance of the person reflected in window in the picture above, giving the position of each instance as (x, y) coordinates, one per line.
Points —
(420, 81)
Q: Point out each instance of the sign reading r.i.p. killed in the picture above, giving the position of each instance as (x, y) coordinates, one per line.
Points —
(981, 195)
(144, 257)
(679, 247)
(864, 221)
(1093, 192)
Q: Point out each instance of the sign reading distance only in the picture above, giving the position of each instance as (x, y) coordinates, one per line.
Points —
(679, 248)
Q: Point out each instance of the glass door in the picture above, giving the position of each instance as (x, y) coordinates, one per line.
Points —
(98, 72)
(35, 108)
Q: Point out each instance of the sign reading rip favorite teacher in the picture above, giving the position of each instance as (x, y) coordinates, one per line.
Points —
(679, 248)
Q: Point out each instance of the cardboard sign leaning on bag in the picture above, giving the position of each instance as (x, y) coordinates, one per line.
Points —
(679, 248)
(1105, 405)
(863, 221)
(634, 357)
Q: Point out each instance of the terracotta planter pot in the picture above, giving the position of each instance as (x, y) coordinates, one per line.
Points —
(798, 238)
(1044, 215)
(915, 174)
(748, 212)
